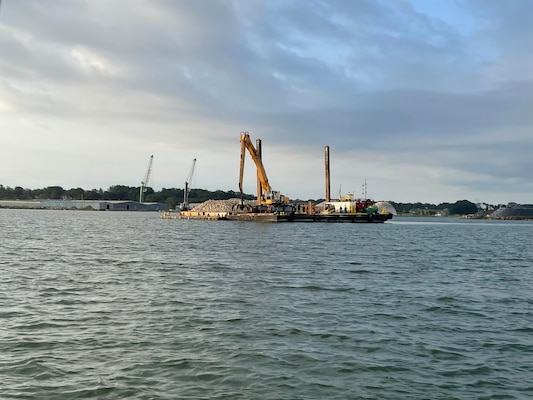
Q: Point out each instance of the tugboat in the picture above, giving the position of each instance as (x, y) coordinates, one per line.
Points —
(349, 209)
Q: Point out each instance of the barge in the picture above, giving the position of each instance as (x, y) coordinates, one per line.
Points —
(281, 217)
(272, 206)
(301, 213)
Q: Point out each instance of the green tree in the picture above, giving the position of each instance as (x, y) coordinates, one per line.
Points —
(52, 192)
(171, 203)
(6, 193)
(121, 192)
(19, 193)
(93, 194)
(75, 194)
(463, 207)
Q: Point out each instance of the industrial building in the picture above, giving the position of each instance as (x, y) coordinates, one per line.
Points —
(98, 205)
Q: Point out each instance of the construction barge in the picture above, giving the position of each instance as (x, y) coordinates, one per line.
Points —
(281, 217)
(272, 206)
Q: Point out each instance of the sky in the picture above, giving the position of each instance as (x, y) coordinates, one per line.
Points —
(428, 101)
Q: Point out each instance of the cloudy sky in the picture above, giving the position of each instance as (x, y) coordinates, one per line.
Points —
(425, 100)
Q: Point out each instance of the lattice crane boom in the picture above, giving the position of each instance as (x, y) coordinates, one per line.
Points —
(144, 183)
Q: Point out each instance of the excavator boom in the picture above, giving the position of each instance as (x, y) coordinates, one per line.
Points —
(246, 144)
(268, 196)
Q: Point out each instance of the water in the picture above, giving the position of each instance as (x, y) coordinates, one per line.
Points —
(103, 305)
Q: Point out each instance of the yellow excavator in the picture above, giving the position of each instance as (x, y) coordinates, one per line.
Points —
(269, 200)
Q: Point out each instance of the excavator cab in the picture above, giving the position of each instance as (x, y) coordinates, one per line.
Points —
(274, 197)
(271, 197)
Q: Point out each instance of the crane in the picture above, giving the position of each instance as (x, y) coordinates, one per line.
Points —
(146, 179)
(185, 205)
(268, 196)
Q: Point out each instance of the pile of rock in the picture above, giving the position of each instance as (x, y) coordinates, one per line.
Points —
(220, 206)
(514, 211)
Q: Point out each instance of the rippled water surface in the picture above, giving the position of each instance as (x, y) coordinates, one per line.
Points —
(103, 305)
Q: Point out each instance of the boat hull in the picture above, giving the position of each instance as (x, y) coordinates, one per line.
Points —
(284, 217)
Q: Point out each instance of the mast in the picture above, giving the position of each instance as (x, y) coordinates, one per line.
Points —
(259, 152)
(326, 154)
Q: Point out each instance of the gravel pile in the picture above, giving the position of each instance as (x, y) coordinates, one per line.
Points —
(220, 205)
(522, 211)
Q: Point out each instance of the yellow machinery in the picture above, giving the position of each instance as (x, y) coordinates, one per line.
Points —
(267, 195)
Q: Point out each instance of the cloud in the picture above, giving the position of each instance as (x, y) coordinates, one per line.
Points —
(424, 101)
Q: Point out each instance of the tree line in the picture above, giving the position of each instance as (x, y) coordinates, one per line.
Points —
(461, 207)
(174, 196)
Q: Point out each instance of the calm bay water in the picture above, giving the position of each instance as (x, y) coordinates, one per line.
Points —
(103, 305)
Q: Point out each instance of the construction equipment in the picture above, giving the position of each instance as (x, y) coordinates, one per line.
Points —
(185, 205)
(144, 183)
(267, 197)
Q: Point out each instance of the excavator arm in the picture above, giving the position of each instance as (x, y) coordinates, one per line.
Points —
(269, 198)
(246, 144)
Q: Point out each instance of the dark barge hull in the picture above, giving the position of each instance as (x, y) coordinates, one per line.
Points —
(282, 217)
(288, 217)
